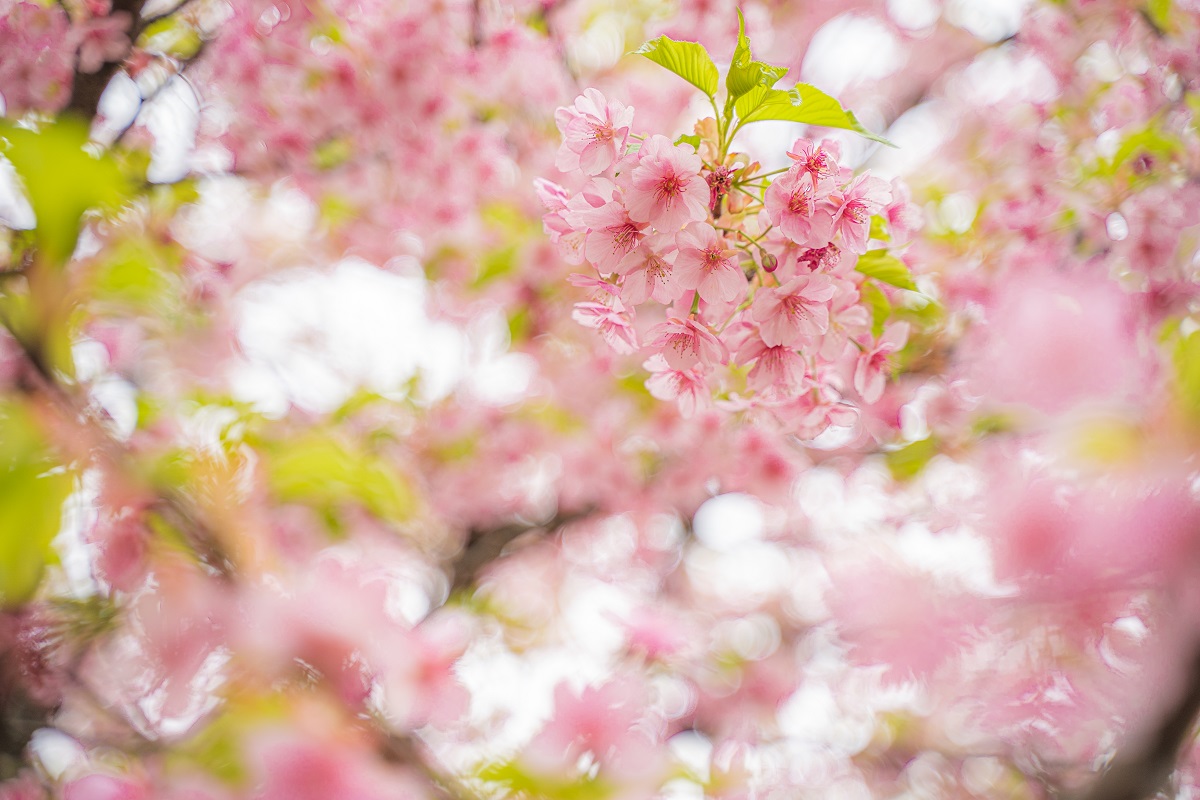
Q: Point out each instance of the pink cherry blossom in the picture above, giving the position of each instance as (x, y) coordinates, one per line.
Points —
(648, 272)
(615, 325)
(777, 369)
(819, 161)
(612, 235)
(594, 132)
(871, 368)
(865, 197)
(795, 311)
(666, 189)
(601, 291)
(796, 206)
(904, 217)
(685, 343)
(708, 265)
(687, 387)
(103, 39)
(104, 787)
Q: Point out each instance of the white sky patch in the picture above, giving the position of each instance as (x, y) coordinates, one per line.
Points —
(1000, 75)
(15, 211)
(495, 375)
(314, 337)
(914, 14)
(990, 20)
(918, 134)
(849, 49)
(728, 521)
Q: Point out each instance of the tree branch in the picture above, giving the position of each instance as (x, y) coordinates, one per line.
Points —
(1141, 769)
(485, 546)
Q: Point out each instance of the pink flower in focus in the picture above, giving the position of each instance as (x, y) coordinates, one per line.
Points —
(612, 235)
(794, 311)
(594, 133)
(871, 369)
(666, 188)
(777, 369)
(615, 325)
(685, 343)
(817, 160)
(707, 265)
(793, 204)
(552, 196)
(686, 386)
(855, 207)
(602, 291)
(648, 272)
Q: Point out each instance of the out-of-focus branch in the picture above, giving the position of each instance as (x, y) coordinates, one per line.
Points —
(1142, 768)
(408, 750)
(89, 86)
(180, 69)
(485, 546)
(84, 438)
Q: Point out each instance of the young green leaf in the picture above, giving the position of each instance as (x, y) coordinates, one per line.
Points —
(61, 179)
(688, 60)
(33, 488)
(803, 103)
(744, 72)
(690, 138)
(883, 266)
(906, 462)
(1187, 374)
(881, 307)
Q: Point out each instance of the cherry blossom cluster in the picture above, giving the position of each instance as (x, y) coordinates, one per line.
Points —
(54, 44)
(752, 273)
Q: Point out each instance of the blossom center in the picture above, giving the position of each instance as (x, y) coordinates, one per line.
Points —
(800, 203)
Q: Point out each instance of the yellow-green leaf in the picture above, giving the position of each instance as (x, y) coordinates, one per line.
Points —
(325, 472)
(1187, 374)
(908, 461)
(744, 72)
(62, 180)
(881, 307)
(33, 488)
(804, 104)
(883, 266)
(688, 60)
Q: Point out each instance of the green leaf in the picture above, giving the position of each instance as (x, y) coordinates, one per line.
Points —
(803, 103)
(140, 274)
(62, 180)
(33, 489)
(172, 36)
(906, 462)
(690, 138)
(881, 307)
(532, 784)
(883, 266)
(879, 229)
(1149, 141)
(1187, 374)
(324, 472)
(688, 60)
(1158, 12)
(744, 72)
